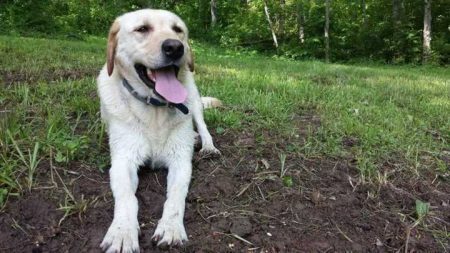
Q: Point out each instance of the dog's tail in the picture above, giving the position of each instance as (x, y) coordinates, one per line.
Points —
(210, 102)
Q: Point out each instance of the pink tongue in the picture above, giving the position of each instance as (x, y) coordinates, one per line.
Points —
(168, 86)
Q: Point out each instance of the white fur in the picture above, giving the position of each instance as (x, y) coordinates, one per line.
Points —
(138, 132)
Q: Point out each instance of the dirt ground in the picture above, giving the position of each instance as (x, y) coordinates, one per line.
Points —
(238, 203)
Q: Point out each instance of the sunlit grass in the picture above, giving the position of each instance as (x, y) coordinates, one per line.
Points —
(394, 113)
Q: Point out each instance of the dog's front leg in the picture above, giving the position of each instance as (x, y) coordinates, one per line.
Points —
(197, 113)
(170, 229)
(124, 230)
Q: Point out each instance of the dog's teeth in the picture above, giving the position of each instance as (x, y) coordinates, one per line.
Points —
(151, 75)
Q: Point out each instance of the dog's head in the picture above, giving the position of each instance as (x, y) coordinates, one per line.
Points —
(153, 44)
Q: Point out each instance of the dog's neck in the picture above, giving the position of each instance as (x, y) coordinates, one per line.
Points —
(151, 100)
(134, 80)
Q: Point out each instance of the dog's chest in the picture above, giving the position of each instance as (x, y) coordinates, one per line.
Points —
(158, 123)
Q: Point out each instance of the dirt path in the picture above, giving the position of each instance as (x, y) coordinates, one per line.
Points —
(237, 203)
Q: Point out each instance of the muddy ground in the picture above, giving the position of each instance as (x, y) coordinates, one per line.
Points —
(238, 203)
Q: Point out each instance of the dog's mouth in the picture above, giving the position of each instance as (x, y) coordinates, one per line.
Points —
(164, 82)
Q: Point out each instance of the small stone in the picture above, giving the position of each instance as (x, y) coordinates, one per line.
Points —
(379, 243)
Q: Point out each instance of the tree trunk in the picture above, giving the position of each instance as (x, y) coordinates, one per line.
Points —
(301, 22)
(396, 13)
(213, 13)
(396, 21)
(427, 32)
(281, 18)
(364, 8)
(274, 36)
(327, 28)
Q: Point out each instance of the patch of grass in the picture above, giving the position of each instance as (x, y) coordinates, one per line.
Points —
(31, 162)
(34, 59)
(396, 114)
(62, 117)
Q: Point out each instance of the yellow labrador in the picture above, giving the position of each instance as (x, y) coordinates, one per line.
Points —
(149, 102)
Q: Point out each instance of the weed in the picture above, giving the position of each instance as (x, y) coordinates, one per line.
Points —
(422, 209)
(283, 168)
(31, 162)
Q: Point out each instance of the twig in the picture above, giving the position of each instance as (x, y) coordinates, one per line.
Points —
(157, 180)
(244, 189)
(225, 214)
(212, 172)
(343, 234)
(401, 191)
(408, 234)
(16, 225)
(262, 195)
(52, 168)
(201, 215)
(239, 163)
(242, 239)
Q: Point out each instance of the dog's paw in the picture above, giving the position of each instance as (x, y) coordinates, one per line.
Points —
(121, 235)
(170, 233)
(209, 150)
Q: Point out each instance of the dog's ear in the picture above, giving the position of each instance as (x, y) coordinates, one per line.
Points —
(190, 60)
(112, 44)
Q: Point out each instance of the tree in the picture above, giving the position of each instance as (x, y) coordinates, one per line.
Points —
(390, 30)
(281, 20)
(427, 31)
(364, 8)
(274, 36)
(213, 13)
(396, 23)
(327, 28)
(396, 5)
(301, 21)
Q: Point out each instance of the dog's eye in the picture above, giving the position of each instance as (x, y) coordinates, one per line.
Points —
(143, 29)
(177, 29)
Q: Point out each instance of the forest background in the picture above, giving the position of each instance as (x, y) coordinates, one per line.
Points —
(386, 31)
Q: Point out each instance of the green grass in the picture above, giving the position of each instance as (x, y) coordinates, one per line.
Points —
(34, 55)
(396, 114)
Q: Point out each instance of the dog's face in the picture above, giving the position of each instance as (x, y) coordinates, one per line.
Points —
(152, 44)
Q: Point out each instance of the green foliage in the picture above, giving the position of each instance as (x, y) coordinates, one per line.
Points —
(422, 209)
(355, 33)
(288, 181)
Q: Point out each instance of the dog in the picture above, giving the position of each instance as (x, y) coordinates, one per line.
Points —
(149, 102)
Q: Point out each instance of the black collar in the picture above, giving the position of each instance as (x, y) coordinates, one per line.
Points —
(149, 100)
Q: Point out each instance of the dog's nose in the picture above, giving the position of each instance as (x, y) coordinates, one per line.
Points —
(173, 49)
